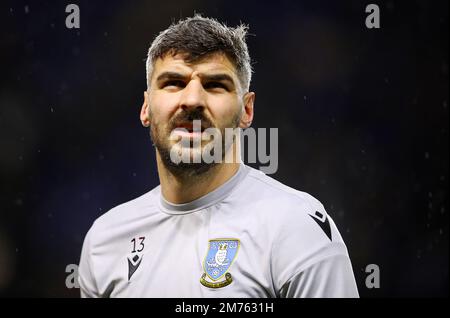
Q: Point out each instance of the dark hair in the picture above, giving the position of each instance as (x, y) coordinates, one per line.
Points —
(198, 37)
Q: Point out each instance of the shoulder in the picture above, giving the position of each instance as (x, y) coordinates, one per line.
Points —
(104, 243)
(289, 202)
(119, 218)
(302, 233)
(294, 216)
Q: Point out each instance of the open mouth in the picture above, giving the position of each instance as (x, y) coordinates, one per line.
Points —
(190, 127)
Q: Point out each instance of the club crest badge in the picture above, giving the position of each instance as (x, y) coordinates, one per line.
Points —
(219, 258)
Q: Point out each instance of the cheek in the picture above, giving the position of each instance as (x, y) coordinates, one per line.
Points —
(162, 107)
(231, 118)
(223, 109)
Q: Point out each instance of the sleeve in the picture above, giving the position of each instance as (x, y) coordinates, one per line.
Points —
(329, 278)
(86, 280)
(309, 256)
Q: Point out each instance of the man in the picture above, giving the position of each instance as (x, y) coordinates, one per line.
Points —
(211, 229)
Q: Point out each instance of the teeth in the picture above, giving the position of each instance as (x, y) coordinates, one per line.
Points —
(190, 128)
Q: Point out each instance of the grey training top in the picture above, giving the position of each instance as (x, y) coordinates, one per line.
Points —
(251, 237)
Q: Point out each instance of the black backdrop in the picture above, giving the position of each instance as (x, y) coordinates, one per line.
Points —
(362, 117)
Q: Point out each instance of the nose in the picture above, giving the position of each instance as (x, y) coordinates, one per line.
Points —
(193, 96)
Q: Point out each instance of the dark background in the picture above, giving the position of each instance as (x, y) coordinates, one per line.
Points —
(362, 117)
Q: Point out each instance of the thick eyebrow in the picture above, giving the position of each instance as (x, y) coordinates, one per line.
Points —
(206, 77)
(218, 78)
(170, 75)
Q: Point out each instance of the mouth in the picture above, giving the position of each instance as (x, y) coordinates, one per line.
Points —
(189, 130)
(192, 127)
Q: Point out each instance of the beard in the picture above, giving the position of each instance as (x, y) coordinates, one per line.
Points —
(161, 140)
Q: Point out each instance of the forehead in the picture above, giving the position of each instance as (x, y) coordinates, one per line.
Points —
(211, 64)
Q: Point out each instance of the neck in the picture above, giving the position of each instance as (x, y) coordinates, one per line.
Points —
(179, 189)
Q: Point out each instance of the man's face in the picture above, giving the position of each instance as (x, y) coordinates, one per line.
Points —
(207, 90)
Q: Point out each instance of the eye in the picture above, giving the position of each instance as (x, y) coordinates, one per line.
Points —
(212, 85)
(173, 83)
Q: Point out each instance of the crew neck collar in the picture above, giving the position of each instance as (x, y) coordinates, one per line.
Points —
(208, 199)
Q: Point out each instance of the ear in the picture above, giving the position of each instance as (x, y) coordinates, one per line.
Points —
(247, 114)
(145, 114)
